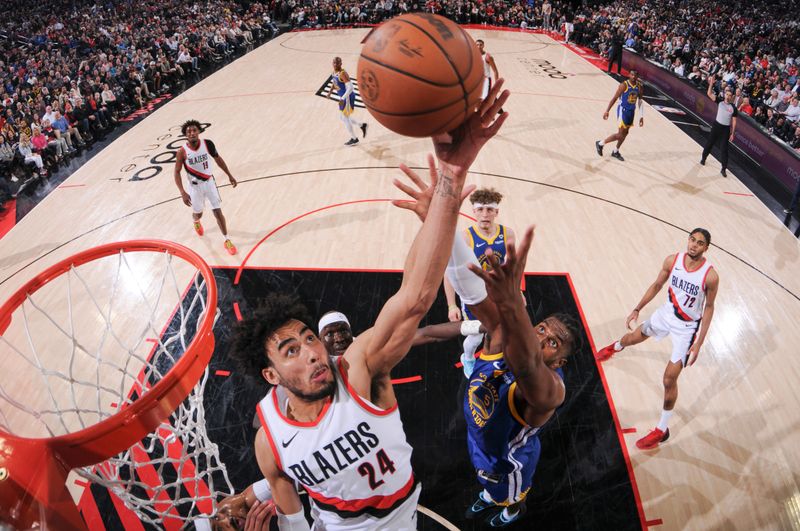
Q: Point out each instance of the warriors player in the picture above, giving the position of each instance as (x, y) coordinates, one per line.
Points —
(485, 234)
(690, 301)
(489, 70)
(195, 157)
(347, 100)
(629, 92)
(332, 425)
(512, 394)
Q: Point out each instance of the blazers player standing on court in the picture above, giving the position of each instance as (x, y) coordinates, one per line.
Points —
(629, 93)
(685, 318)
(195, 157)
(332, 425)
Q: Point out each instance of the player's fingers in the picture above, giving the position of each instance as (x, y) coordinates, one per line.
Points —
(467, 191)
(492, 130)
(491, 113)
(432, 169)
(405, 188)
(479, 271)
(404, 203)
(411, 174)
(491, 99)
(526, 242)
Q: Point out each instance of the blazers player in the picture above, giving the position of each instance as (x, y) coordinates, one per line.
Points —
(685, 317)
(332, 425)
(195, 157)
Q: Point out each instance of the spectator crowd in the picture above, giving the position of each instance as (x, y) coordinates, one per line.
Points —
(70, 69)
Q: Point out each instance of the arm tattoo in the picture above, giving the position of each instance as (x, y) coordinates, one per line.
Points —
(445, 186)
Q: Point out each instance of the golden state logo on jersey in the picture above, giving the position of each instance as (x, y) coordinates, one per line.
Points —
(483, 396)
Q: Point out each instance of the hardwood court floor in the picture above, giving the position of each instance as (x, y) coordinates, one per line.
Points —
(732, 461)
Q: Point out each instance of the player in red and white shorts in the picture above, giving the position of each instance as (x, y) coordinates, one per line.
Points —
(685, 318)
(195, 157)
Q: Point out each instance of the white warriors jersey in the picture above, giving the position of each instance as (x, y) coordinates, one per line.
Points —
(353, 461)
(198, 163)
(687, 289)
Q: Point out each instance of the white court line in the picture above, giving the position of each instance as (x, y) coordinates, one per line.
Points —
(440, 519)
(685, 123)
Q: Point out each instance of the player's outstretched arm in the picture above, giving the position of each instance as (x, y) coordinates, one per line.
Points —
(541, 387)
(437, 203)
(652, 290)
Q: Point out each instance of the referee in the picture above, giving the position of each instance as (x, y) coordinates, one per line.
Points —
(724, 126)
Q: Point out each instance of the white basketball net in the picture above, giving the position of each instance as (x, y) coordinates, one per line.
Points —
(90, 343)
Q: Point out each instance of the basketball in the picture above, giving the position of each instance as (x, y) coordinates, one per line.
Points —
(420, 74)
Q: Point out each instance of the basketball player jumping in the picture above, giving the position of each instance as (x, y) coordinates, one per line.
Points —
(195, 157)
(347, 100)
(513, 391)
(685, 317)
(485, 234)
(628, 93)
(489, 70)
(352, 457)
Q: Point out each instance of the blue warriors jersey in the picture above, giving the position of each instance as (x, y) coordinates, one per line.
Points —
(479, 244)
(341, 88)
(630, 95)
(503, 449)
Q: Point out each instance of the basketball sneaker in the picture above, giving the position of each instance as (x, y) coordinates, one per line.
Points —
(478, 507)
(351, 142)
(617, 155)
(198, 228)
(652, 439)
(723, 172)
(364, 129)
(230, 247)
(599, 148)
(500, 520)
(605, 353)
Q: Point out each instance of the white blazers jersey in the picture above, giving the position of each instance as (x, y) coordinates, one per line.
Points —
(353, 461)
(687, 289)
(198, 163)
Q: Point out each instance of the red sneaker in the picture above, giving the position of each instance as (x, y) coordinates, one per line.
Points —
(652, 439)
(231, 248)
(198, 228)
(606, 353)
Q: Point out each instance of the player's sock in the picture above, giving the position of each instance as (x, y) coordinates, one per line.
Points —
(485, 496)
(664, 423)
(616, 150)
(349, 126)
(618, 346)
(602, 143)
(355, 122)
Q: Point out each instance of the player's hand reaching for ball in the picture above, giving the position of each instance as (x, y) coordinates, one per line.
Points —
(421, 198)
(459, 148)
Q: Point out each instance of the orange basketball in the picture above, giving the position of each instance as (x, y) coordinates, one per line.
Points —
(420, 74)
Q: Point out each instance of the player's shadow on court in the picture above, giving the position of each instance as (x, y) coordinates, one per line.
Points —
(26, 255)
(340, 220)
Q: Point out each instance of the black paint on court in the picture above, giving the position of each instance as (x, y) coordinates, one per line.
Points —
(582, 480)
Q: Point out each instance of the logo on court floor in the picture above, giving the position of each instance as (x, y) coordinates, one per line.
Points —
(542, 68)
(323, 92)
